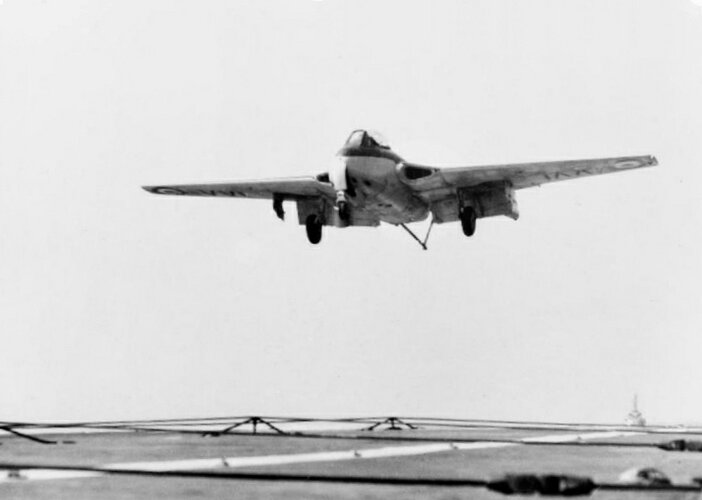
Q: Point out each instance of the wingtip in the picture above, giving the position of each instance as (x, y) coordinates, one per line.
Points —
(654, 161)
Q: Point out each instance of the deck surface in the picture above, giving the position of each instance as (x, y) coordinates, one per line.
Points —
(434, 453)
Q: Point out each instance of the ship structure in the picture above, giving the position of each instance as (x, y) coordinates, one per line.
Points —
(635, 418)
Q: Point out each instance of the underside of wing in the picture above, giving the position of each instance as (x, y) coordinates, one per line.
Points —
(523, 175)
(489, 190)
(291, 188)
(325, 212)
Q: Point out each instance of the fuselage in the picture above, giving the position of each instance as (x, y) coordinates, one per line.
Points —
(373, 182)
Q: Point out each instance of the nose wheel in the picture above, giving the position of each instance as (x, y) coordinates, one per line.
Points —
(313, 225)
(342, 206)
(344, 210)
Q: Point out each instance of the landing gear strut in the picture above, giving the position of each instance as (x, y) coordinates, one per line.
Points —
(342, 205)
(278, 207)
(313, 224)
(468, 218)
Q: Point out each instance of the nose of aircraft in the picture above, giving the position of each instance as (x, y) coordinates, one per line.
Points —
(337, 173)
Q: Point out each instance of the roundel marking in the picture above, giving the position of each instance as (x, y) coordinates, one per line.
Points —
(168, 190)
(627, 164)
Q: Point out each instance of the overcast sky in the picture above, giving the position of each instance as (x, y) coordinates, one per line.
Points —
(115, 303)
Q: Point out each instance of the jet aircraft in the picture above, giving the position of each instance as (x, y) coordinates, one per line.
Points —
(368, 183)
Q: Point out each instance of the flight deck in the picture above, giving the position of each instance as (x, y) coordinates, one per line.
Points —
(347, 459)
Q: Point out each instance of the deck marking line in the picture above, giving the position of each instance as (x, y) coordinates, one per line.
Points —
(566, 438)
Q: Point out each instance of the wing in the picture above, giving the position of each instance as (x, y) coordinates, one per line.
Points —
(490, 189)
(523, 175)
(290, 188)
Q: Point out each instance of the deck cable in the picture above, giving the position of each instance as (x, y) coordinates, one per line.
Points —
(229, 424)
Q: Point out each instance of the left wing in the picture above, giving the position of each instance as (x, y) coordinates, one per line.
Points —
(290, 188)
(313, 197)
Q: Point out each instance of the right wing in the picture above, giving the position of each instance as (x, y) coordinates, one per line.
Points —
(289, 188)
(490, 188)
(523, 175)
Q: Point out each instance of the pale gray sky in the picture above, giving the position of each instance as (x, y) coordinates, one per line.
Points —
(118, 304)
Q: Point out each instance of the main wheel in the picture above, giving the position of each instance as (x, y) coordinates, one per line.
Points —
(314, 229)
(468, 219)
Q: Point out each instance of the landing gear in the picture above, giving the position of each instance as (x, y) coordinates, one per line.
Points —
(314, 229)
(468, 218)
(342, 205)
(278, 206)
(344, 211)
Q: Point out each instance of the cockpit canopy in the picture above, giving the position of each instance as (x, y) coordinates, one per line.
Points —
(366, 139)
